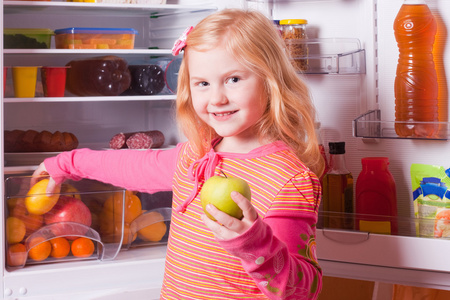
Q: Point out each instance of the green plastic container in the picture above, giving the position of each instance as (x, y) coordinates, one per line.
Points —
(27, 38)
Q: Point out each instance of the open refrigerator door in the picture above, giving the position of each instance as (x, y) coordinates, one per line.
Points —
(352, 56)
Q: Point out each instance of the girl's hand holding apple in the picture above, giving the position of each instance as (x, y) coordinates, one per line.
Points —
(227, 227)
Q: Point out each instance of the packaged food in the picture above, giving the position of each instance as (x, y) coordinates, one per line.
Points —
(294, 34)
(98, 76)
(170, 67)
(59, 227)
(53, 81)
(24, 81)
(145, 80)
(27, 38)
(95, 38)
(431, 196)
(146, 219)
(151, 2)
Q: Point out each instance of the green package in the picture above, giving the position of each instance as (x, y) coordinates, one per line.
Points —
(431, 198)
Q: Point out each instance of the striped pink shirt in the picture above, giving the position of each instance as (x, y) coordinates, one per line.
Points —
(274, 259)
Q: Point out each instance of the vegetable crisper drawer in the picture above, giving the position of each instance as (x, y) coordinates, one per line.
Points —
(71, 224)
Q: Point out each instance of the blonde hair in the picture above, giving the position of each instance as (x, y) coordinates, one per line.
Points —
(254, 41)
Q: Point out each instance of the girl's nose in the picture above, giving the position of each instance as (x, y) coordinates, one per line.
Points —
(218, 96)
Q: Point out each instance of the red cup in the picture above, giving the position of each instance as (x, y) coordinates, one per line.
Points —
(5, 71)
(54, 81)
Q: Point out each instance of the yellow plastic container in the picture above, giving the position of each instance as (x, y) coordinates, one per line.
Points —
(24, 81)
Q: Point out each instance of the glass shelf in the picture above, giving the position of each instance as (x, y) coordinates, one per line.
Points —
(333, 55)
(111, 9)
(401, 226)
(91, 99)
(370, 125)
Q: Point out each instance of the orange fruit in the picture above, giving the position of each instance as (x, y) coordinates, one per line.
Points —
(32, 222)
(60, 247)
(17, 255)
(82, 247)
(37, 202)
(153, 232)
(12, 202)
(40, 249)
(113, 207)
(15, 230)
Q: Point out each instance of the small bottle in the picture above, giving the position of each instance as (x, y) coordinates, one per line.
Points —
(293, 32)
(376, 198)
(416, 85)
(338, 190)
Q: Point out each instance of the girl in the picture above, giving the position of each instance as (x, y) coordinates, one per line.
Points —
(245, 113)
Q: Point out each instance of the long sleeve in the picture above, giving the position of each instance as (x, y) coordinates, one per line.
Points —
(280, 272)
(145, 171)
(279, 252)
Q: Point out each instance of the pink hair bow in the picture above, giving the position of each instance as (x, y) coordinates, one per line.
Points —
(181, 42)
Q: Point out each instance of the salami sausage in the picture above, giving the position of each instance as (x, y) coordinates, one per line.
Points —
(137, 140)
(146, 140)
(119, 140)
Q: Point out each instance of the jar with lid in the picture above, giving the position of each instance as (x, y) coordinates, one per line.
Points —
(294, 35)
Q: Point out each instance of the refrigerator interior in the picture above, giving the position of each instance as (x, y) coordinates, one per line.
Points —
(340, 98)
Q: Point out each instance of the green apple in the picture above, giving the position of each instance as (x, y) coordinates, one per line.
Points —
(217, 191)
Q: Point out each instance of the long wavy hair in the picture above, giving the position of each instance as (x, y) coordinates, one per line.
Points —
(255, 42)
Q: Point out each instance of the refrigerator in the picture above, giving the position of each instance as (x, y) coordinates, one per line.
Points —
(353, 57)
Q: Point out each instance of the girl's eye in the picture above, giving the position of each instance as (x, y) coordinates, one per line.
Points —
(233, 80)
(203, 83)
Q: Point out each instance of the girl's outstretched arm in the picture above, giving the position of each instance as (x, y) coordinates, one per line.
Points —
(145, 171)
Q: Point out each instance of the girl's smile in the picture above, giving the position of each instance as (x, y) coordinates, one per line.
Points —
(227, 96)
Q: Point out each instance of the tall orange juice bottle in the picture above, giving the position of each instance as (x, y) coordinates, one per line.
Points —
(416, 85)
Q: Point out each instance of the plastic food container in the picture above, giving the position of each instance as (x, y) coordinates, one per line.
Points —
(146, 79)
(70, 225)
(170, 68)
(146, 220)
(53, 81)
(98, 76)
(27, 38)
(95, 38)
(294, 34)
(24, 81)
(151, 2)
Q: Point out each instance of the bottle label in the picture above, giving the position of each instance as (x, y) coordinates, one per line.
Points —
(381, 227)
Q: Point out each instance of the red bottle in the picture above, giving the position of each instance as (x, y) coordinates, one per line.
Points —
(376, 198)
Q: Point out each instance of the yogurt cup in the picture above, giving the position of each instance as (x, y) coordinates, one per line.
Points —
(24, 81)
(53, 81)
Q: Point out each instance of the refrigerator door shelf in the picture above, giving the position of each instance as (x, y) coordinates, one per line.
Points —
(370, 125)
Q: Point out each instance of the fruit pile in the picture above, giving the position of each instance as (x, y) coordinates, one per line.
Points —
(57, 227)
(148, 226)
(33, 219)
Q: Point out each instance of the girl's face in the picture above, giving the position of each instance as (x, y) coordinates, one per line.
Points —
(226, 95)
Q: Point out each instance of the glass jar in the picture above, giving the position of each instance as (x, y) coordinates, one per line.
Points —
(294, 35)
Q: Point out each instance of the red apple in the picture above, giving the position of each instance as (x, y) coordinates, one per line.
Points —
(68, 209)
